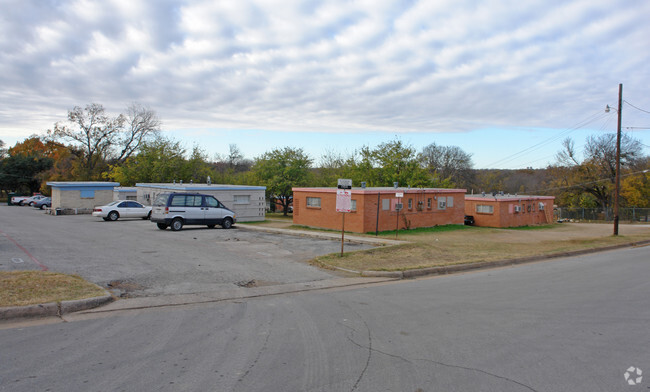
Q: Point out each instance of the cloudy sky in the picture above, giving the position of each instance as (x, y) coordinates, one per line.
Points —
(504, 80)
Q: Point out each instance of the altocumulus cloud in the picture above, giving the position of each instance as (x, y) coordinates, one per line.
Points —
(419, 66)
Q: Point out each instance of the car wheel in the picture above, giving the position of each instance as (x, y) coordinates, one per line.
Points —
(148, 216)
(113, 215)
(42, 206)
(161, 226)
(227, 223)
(211, 226)
(20, 203)
(177, 224)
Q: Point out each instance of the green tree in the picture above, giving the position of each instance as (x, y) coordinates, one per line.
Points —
(20, 172)
(159, 160)
(280, 170)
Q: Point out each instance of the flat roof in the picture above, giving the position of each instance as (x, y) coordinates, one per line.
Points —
(383, 190)
(506, 197)
(201, 187)
(82, 184)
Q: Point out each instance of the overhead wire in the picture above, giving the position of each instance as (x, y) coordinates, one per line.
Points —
(583, 123)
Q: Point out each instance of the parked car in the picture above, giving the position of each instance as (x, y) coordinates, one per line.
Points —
(175, 210)
(469, 220)
(26, 200)
(44, 202)
(122, 209)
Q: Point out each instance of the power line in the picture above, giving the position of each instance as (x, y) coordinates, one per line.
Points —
(637, 108)
(588, 183)
(588, 120)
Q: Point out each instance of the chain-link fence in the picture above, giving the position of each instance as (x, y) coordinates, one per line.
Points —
(603, 215)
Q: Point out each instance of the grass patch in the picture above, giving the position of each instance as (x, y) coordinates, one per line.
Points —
(467, 244)
(424, 230)
(18, 288)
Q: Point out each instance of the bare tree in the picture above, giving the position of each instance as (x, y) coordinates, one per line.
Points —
(91, 128)
(448, 162)
(141, 123)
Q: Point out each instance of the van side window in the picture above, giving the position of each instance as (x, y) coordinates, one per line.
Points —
(178, 201)
(211, 202)
(193, 201)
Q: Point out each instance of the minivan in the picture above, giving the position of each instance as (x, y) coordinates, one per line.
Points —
(178, 209)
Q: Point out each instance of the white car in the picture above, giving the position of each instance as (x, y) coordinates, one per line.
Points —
(122, 209)
(30, 200)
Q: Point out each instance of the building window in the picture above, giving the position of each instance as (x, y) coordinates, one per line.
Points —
(450, 201)
(242, 199)
(87, 194)
(429, 203)
(483, 209)
(313, 202)
(410, 204)
(385, 204)
(442, 203)
(353, 205)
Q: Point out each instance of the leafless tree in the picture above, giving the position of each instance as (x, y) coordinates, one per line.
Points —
(141, 124)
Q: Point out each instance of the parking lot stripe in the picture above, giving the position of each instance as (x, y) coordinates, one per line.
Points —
(43, 267)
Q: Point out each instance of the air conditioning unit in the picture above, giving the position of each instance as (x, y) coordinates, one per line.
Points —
(541, 206)
(517, 208)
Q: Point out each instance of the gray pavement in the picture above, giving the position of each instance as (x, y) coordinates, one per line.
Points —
(573, 324)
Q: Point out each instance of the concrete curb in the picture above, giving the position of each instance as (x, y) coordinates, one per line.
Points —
(450, 269)
(326, 236)
(53, 309)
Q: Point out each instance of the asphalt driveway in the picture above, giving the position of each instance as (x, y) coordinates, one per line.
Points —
(134, 258)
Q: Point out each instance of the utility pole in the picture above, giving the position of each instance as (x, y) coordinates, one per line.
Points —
(618, 158)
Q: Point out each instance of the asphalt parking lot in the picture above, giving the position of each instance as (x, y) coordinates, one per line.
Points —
(134, 258)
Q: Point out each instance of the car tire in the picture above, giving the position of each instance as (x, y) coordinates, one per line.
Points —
(177, 224)
(161, 226)
(20, 203)
(226, 223)
(148, 216)
(42, 206)
(113, 216)
(106, 219)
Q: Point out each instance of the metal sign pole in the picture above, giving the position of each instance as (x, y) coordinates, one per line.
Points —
(342, 232)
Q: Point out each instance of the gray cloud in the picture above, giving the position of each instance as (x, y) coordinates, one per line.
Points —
(418, 66)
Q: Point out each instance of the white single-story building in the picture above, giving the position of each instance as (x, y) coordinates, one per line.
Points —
(248, 202)
(80, 197)
(125, 193)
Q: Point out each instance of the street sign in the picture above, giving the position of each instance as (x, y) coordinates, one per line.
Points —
(343, 200)
(344, 183)
(399, 194)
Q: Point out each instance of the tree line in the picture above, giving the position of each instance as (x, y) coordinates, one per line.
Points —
(129, 148)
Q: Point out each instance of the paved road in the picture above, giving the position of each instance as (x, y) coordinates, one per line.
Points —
(145, 261)
(565, 325)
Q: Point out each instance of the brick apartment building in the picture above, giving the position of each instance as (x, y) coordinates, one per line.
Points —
(374, 209)
(509, 210)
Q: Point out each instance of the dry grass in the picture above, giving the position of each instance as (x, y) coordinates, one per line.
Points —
(474, 244)
(18, 288)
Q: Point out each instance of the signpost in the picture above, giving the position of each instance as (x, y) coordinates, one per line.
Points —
(343, 204)
(398, 207)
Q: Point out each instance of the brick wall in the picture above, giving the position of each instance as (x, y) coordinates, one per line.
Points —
(506, 214)
(365, 218)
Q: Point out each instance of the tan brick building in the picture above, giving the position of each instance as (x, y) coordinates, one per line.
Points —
(509, 210)
(80, 197)
(374, 209)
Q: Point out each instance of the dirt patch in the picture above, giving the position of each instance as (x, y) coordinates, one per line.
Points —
(255, 283)
(123, 288)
